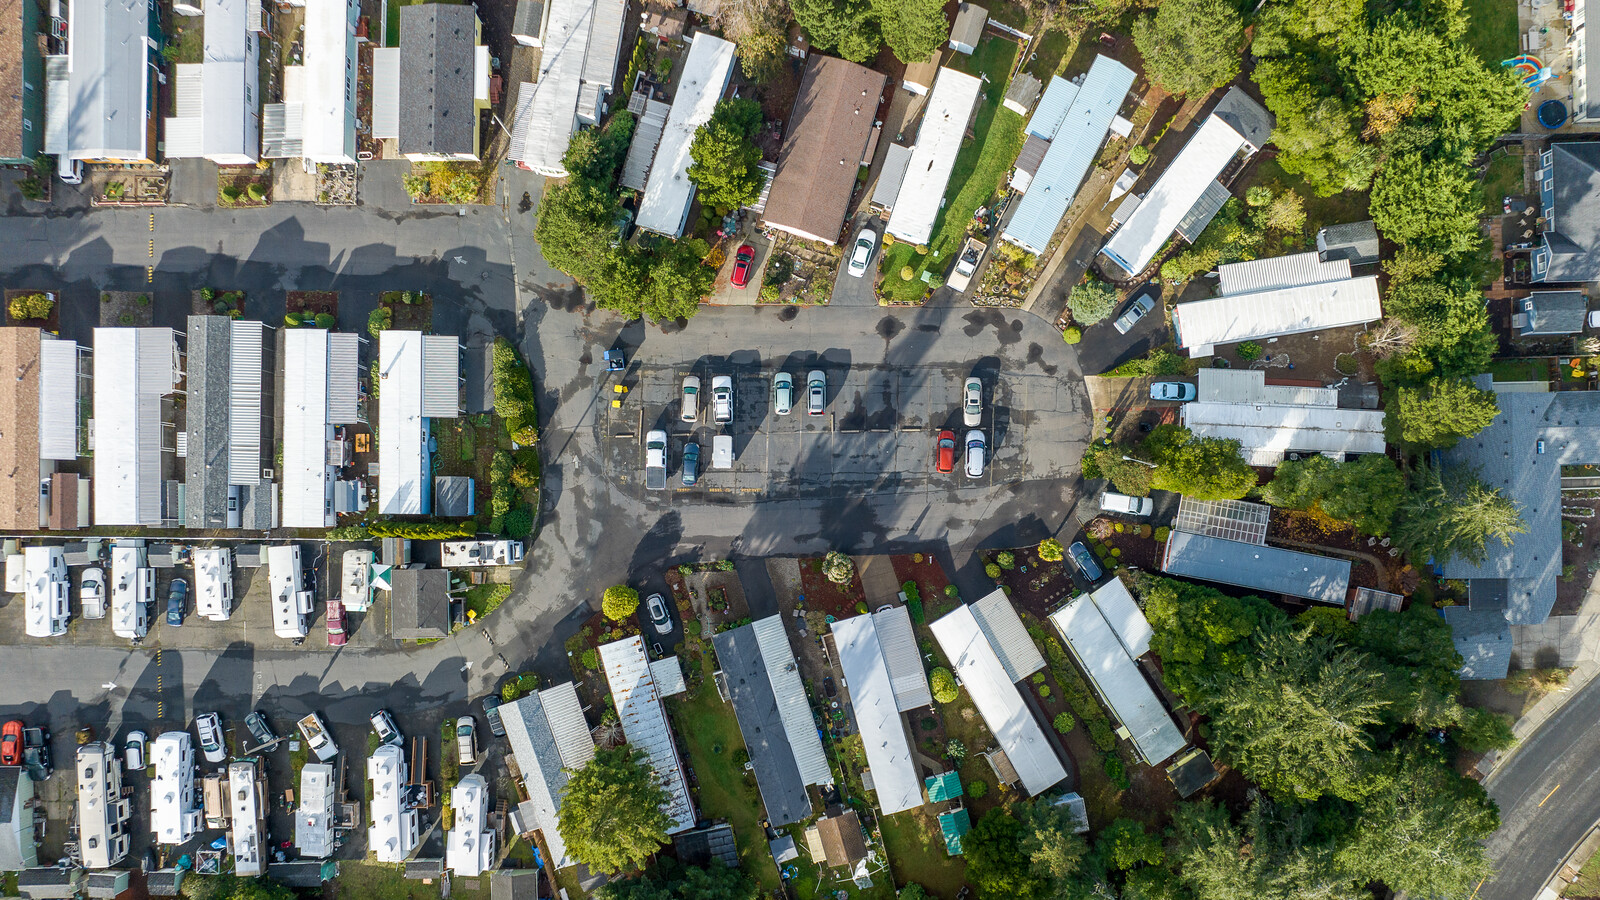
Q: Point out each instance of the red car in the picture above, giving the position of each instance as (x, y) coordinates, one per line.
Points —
(741, 265)
(336, 633)
(945, 458)
(11, 744)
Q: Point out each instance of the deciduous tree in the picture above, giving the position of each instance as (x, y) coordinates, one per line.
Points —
(611, 814)
(1202, 468)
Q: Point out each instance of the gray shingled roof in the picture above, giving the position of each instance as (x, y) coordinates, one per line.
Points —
(1483, 638)
(1573, 207)
(11, 854)
(437, 114)
(206, 418)
(1506, 457)
(783, 791)
(1354, 242)
(1555, 312)
(419, 604)
(1244, 115)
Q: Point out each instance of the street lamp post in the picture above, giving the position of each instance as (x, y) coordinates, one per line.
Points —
(1141, 462)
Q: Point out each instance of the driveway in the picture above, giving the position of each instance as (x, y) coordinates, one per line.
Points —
(723, 292)
(853, 290)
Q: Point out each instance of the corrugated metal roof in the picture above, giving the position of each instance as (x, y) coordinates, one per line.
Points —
(184, 138)
(668, 192)
(600, 57)
(667, 673)
(1226, 320)
(944, 126)
(1250, 386)
(403, 483)
(1070, 155)
(975, 662)
(244, 402)
(386, 92)
(441, 376)
(547, 109)
(564, 712)
(644, 722)
(344, 366)
(1211, 201)
(206, 419)
(1033, 150)
(127, 409)
(306, 487)
(57, 105)
(1197, 165)
(1052, 108)
(793, 708)
(646, 135)
(1124, 616)
(1117, 679)
(1006, 633)
(1279, 272)
(1266, 433)
(58, 399)
(1259, 568)
(899, 646)
(188, 90)
(887, 190)
(883, 732)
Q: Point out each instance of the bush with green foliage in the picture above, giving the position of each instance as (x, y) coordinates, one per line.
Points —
(1050, 550)
(1072, 334)
(1200, 468)
(1005, 559)
(667, 879)
(34, 305)
(1248, 350)
(379, 321)
(1366, 492)
(838, 567)
(514, 399)
(977, 789)
(420, 531)
(992, 570)
(1139, 155)
(1091, 301)
(619, 602)
(955, 750)
(944, 685)
(325, 321)
(1064, 722)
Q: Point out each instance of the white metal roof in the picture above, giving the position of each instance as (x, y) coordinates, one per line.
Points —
(547, 109)
(313, 818)
(898, 644)
(393, 832)
(644, 722)
(1071, 153)
(1203, 324)
(564, 712)
(100, 806)
(469, 847)
(667, 672)
(1117, 679)
(883, 732)
(1124, 616)
(46, 594)
(130, 578)
(245, 803)
(975, 662)
(307, 484)
(386, 92)
(108, 51)
(403, 483)
(1198, 164)
(891, 176)
(213, 582)
(1250, 386)
(141, 364)
(246, 366)
(343, 385)
(944, 125)
(1266, 433)
(1277, 272)
(668, 192)
(1052, 108)
(600, 56)
(794, 710)
(173, 815)
(57, 105)
(646, 136)
(232, 74)
(290, 601)
(329, 61)
(1007, 635)
(441, 376)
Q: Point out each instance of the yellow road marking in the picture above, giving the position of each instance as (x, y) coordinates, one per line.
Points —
(1475, 890)
(1549, 795)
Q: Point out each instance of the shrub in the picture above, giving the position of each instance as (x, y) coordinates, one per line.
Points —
(955, 750)
(142, 300)
(1044, 691)
(619, 602)
(231, 194)
(514, 400)
(1072, 334)
(1064, 722)
(31, 306)
(1249, 350)
(952, 591)
(256, 192)
(1006, 559)
(325, 320)
(1117, 772)
(348, 533)
(838, 567)
(527, 681)
(724, 565)
(977, 789)
(379, 321)
(591, 659)
(519, 522)
(944, 685)
(1139, 155)
(292, 320)
(1258, 195)
(992, 570)
(1005, 589)
(692, 628)
(1038, 678)
(1100, 732)
(509, 691)
(1050, 550)
(1163, 533)
(861, 607)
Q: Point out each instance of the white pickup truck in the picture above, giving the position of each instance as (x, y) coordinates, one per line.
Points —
(966, 264)
(655, 461)
(318, 740)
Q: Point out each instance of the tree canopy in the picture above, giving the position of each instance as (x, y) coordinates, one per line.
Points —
(1190, 46)
(611, 816)
(1203, 468)
(725, 166)
(669, 880)
(1366, 492)
(1438, 413)
(1451, 513)
(1092, 301)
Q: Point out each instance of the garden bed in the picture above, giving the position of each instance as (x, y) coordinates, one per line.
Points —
(320, 307)
(27, 302)
(1373, 563)
(212, 302)
(1031, 583)
(244, 186)
(125, 309)
(799, 271)
(408, 310)
(838, 600)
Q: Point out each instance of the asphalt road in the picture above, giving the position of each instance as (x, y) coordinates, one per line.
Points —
(1549, 797)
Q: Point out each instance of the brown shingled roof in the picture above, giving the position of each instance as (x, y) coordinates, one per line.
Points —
(19, 428)
(842, 842)
(828, 132)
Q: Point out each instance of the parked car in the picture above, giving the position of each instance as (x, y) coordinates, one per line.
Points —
(209, 727)
(655, 460)
(691, 464)
(861, 253)
(1084, 560)
(659, 617)
(71, 172)
(1181, 391)
(977, 453)
(133, 751)
(690, 410)
(782, 393)
(944, 456)
(1136, 310)
(36, 752)
(11, 743)
(384, 727)
(466, 740)
(260, 728)
(722, 399)
(177, 598)
(1113, 502)
(491, 714)
(337, 636)
(741, 265)
(816, 392)
(92, 593)
(722, 451)
(972, 402)
(318, 740)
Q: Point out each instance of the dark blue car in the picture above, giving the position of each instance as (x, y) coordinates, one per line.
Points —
(176, 598)
(1084, 560)
(691, 464)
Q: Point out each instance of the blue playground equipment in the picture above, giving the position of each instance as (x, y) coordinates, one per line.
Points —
(1528, 67)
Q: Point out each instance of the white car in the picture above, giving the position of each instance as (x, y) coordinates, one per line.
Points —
(976, 448)
(384, 727)
(816, 392)
(722, 398)
(783, 393)
(71, 172)
(659, 617)
(209, 727)
(467, 740)
(972, 403)
(691, 398)
(133, 751)
(92, 593)
(1179, 391)
(1113, 502)
(861, 253)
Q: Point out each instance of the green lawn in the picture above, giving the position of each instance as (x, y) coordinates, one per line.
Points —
(1502, 179)
(710, 731)
(1347, 206)
(365, 880)
(1520, 369)
(1493, 31)
(483, 599)
(1048, 53)
(979, 169)
(916, 852)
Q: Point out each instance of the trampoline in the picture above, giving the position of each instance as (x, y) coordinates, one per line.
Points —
(1552, 114)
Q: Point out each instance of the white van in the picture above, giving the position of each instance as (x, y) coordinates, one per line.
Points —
(1129, 506)
(722, 451)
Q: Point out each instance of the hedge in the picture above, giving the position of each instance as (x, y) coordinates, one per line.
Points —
(514, 399)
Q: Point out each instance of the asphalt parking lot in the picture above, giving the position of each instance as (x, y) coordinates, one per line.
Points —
(878, 432)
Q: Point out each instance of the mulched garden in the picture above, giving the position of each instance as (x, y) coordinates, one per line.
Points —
(27, 301)
(310, 304)
(1035, 585)
(212, 302)
(838, 600)
(411, 310)
(244, 186)
(1373, 563)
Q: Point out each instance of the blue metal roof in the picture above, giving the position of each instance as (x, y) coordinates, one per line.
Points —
(1052, 108)
(1257, 567)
